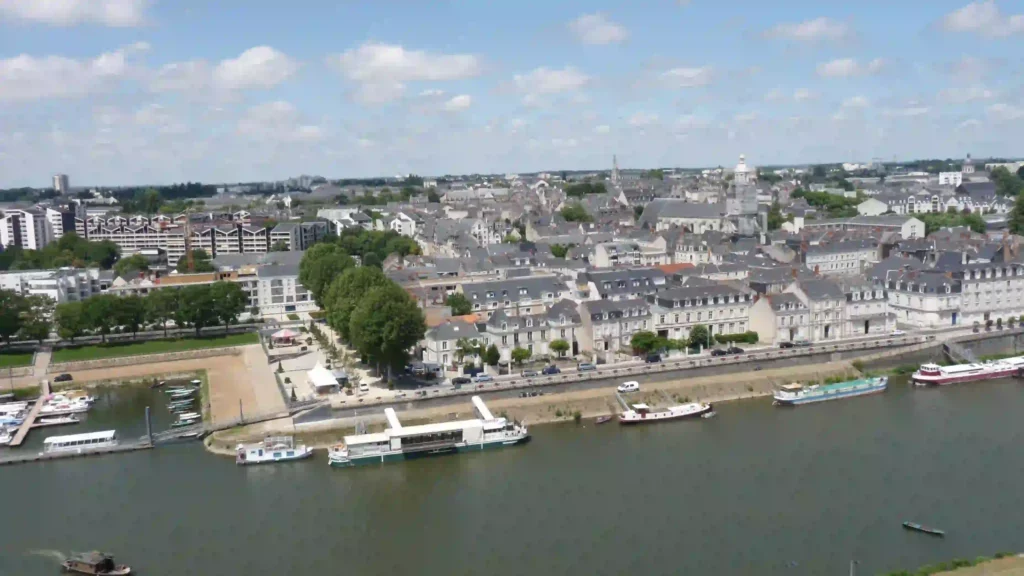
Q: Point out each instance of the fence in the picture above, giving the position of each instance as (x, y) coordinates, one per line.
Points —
(143, 359)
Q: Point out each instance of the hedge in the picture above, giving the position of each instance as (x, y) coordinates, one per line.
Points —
(749, 337)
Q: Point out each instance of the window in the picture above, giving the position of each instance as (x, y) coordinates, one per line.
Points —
(444, 345)
(662, 319)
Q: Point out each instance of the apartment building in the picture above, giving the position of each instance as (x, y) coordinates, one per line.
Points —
(780, 318)
(626, 284)
(60, 286)
(867, 307)
(515, 296)
(26, 229)
(607, 327)
(722, 309)
(843, 257)
(826, 303)
(630, 253)
(280, 291)
(927, 298)
(299, 235)
(440, 343)
(989, 292)
(534, 332)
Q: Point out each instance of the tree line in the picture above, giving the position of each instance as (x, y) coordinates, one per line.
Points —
(35, 317)
(70, 250)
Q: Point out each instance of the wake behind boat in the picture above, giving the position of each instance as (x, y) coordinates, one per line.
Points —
(642, 413)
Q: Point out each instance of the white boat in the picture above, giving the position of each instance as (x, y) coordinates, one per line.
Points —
(81, 442)
(272, 449)
(189, 416)
(6, 435)
(13, 407)
(796, 394)
(55, 421)
(935, 375)
(63, 408)
(73, 396)
(12, 419)
(401, 442)
(643, 414)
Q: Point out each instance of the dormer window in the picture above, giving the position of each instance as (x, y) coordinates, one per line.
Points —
(529, 322)
(504, 325)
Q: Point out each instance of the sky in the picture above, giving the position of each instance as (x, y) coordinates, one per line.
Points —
(132, 92)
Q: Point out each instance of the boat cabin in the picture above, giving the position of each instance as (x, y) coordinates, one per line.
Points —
(930, 370)
(794, 388)
(641, 409)
(96, 563)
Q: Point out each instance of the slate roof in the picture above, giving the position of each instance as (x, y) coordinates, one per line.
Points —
(452, 330)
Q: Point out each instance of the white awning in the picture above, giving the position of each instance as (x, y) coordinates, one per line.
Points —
(321, 377)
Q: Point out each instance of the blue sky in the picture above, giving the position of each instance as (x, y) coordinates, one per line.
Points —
(118, 92)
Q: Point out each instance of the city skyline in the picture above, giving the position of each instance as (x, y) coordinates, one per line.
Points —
(121, 92)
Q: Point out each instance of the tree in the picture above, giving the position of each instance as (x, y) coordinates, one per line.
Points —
(279, 246)
(1007, 183)
(131, 313)
(699, 336)
(775, 217)
(71, 323)
(581, 189)
(161, 306)
(101, 313)
(575, 212)
(200, 263)
(643, 342)
(432, 195)
(198, 308)
(12, 306)
(135, 262)
(492, 356)
(459, 304)
(372, 260)
(465, 347)
(559, 347)
(320, 265)
(386, 324)
(37, 312)
(560, 250)
(345, 293)
(229, 300)
(520, 355)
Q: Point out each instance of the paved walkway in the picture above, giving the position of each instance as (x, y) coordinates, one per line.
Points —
(42, 361)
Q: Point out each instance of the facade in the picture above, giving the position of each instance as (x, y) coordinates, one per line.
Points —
(608, 327)
(280, 292)
(842, 258)
(950, 178)
(722, 309)
(990, 292)
(780, 318)
(666, 213)
(298, 236)
(827, 317)
(925, 299)
(61, 183)
(25, 229)
(629, 253)
(534, 332)
(627, 284)
(440, 343)
(515, 296)
(867, 307)
(60, 286)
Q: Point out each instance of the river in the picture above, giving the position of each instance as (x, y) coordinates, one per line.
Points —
(757, 490)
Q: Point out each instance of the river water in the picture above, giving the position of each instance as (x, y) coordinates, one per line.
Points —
(757, 490)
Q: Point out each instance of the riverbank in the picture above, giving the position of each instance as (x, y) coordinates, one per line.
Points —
(546, 409)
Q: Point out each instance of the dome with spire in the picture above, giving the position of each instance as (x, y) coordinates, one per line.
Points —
(743, 174)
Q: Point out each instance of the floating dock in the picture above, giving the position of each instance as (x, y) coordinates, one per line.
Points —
(44, 392)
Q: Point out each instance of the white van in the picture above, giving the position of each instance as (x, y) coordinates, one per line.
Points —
(364, 388)
(631, 386)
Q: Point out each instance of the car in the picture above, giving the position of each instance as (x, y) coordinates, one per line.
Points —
(483, 378)
(734, 350)
(631, 386)
(585, 367)
(550, 369)
(529, 373)
(364, 388)
(785, 345)
(459, 381)
(653, 358)
(802, 343)
(719, 352)
(897, 333)
(63, 378)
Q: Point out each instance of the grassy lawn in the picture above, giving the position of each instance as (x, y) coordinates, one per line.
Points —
(116, 350)
(15, 359)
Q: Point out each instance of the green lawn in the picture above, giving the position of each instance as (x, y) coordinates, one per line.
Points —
(15, 359)
(116, 350)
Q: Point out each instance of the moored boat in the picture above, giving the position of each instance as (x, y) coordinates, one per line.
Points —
(935, 375)
(95, 564)
(796, 394)
(272, 449)
(6, 435)
(56, 421)
(602, 419)
(643, 414)
(404, 442)
(924, 529)
(63, 408)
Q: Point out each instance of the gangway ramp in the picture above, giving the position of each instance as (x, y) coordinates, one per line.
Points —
(481, 409)
(393, 422)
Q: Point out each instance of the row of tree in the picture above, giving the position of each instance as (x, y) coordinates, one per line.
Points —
(581, 189)
(70, 250)
(646, 342)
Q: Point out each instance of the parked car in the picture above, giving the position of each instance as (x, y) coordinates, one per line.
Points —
(719, 352)
(364, 388)
(483, 378)
(585, 367)
(802, 343)
(734, 350)
(459, 381)
(550, 369)
(653, 358)
(63, 378)
(631, 386)
(530, 373)
(785, 345)
(897, 333)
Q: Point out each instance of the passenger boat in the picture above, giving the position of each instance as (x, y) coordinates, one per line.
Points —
(73, 396)
(919, 528)
(935, 375)
(400, 442)
(796, 394)
(6, 435)
(95, 564)
(181, 408)
(642, 413)
(272, 449)
(81, 442)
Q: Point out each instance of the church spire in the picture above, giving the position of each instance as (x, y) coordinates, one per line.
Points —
(615, 169)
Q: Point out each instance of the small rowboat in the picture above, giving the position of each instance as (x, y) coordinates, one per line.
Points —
(602, 419)
(926, 530)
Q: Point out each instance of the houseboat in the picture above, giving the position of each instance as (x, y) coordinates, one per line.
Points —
(95, 564)
(935, 375)
(272, 449)
(399, 442)
(796, 394)
(643, 414)
(81, 442)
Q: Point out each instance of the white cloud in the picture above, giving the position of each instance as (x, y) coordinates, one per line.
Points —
(602, 129)
(278, 121)
(688, 77)
(597, 29)
(744, 117)
(856, 102)
(641, 119)
(458, 103)
(983, 18)
(24, 77)
(432, 93)
(382, 70)
(259, 67)
(542, 82)
(193, 76)
(118, 13)
(847, 67)
(803, 94)
(811, 30)
(1003, 111)
(775, 96)
(908, 111)
(965, 94)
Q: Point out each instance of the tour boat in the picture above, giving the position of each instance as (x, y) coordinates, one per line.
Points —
(796, 394)
(81, 442)
(95, 564)
(935, 375)
(6, 435)
(272, 449)
(405, 442)
(73, 396)
(642, 413)
(182, 393)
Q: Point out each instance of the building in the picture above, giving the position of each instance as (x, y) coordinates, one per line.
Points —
(441, 343)
(26, 229)
(60, 222)
(515, 296)
(298, 236)
(907, 226)
(665, 213)
(608, 327)
(951, 178)
(925, 298)
(721, 308)
(60, 286)
(623, 284)
(780, 318)
(843, 257)
(826, 304)
(630, 253)
(280, 292)
(867, 307)
(990, 293)
(60, 183)
(534, 332)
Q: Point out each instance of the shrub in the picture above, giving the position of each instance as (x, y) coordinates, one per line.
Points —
(287, 380)
(292, 316)
(577, 417)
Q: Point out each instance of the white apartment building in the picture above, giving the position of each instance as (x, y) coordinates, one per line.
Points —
(925, 299)
(608, 327)
(867, 307)
(722, 309)
(515, 296)
(951, 178)
(441, 343)
(535, 332)
(26, 229)
(842, 258)
(61, 183)
(826, 303)
(630, 253)
(60, 286)
(990, 292)
(780, 318)
(280, 292)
